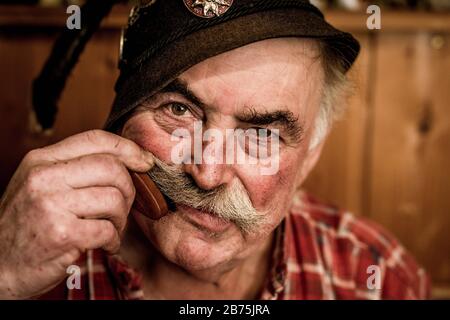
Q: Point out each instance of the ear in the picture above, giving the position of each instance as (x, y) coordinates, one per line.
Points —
(310, 161)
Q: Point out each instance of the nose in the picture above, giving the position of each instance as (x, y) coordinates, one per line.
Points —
(211, 173)
(209, 176)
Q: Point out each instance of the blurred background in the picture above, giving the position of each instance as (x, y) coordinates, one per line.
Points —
(388, 159)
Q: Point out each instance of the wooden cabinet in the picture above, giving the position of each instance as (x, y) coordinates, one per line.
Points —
(388, 159)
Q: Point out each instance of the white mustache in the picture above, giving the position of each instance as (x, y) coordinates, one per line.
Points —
(231, 203)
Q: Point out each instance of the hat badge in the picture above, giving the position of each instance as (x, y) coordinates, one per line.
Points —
(208, 8)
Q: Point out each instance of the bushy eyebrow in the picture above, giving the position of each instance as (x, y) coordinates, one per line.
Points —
(282, 118)
(181, 87)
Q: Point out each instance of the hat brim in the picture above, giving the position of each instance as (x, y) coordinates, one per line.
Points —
(168, 63)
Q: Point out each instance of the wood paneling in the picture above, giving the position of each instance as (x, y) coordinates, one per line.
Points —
(411, 145)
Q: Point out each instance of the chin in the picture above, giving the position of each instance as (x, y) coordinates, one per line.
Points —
(197, 256)
(192, 247)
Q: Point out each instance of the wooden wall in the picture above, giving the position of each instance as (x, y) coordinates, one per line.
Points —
(388, 159)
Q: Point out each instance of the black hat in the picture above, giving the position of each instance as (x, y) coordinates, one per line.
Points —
(166, 37)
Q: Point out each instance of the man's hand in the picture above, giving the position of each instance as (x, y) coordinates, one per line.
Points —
(64, 199)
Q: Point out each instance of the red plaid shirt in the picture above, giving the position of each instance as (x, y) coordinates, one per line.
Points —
(321, 252)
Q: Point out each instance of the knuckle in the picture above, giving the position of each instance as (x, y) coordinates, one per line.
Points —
(44, 204)
(32, 156)
(95, 136)
(112, 166)
(117, 142)
(109, 231)
(118, 208)
(114, 197)
(36, 178)
(101, 137)
(129, 186)
(59, 233)
(113, 142)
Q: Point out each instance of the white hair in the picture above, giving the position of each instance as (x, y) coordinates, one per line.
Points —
(336, 87)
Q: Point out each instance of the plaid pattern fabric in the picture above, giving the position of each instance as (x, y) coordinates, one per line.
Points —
(321, 252)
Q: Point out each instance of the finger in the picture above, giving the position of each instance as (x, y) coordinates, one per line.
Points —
(94, 234)
(98, 141)
(95, 170)
(99, 203)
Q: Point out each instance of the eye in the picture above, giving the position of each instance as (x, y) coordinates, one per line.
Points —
(262, 133)
(178, 109)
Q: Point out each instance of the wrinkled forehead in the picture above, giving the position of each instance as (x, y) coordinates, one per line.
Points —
(283, 73)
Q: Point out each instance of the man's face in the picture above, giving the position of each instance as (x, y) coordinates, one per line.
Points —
(273, 85)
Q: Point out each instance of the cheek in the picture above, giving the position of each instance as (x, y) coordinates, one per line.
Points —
(143, 130)
(272, 192)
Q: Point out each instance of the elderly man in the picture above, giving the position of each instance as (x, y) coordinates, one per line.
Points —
(273, 70)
